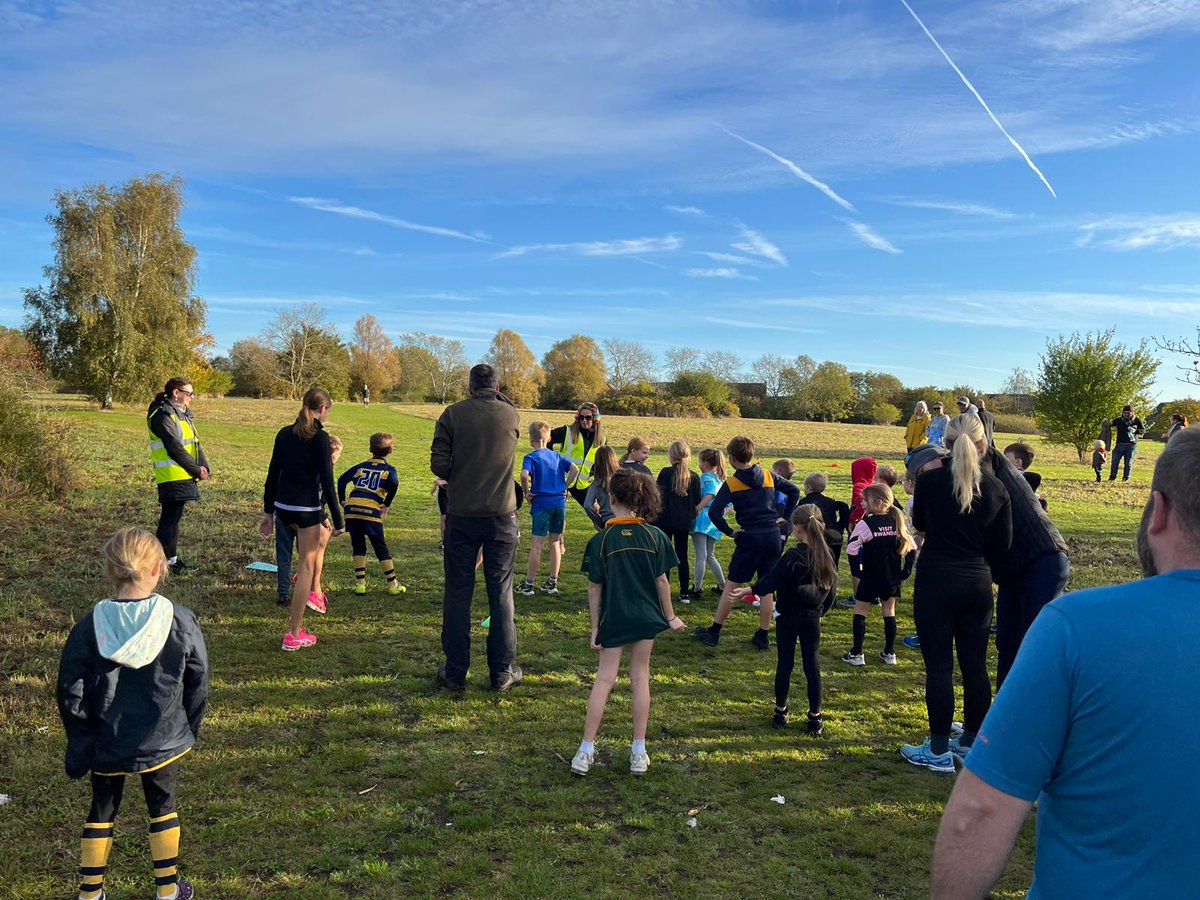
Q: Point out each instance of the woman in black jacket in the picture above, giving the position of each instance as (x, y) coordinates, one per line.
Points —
(132, 691)
(178, 459)
(679, 488)
(299, 486)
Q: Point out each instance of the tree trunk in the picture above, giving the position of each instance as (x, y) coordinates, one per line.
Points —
(107, 402)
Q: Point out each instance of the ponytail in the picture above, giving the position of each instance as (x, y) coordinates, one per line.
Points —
(169, 389)
(306, 421)
(679, 453)
(715, 460)
(963, 433)
(906, 542)
(604, 465)
(635, 491)
(812, 524)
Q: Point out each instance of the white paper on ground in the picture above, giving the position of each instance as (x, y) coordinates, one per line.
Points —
(778, 798)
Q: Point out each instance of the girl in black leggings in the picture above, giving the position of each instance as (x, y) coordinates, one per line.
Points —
(803, 582)
(679, 488)
(965, 516)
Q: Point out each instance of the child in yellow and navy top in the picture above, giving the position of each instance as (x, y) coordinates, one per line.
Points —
(375, 482)
(885, 550)
(132, 691)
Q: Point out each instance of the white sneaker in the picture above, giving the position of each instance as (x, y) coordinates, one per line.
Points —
(855, 659)
(889, 659)
(639, 763)
(582, 762)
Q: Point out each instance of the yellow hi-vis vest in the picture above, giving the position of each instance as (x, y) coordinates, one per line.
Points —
(583, 460)
(165, 468)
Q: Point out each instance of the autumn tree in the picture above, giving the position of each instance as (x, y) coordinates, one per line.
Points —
(309, 352)
(769, 369)
(517, 370)
(252, 364)
(725, 364)
(680, 360)
(441, 363)
(574, 369)
(119, 316)
(373, 359)
(628, 363)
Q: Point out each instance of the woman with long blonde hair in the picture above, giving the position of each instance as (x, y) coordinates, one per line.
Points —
(966, 518)
(679, 487)
(918, 426)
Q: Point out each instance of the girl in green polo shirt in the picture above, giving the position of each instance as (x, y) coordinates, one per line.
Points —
(630, 601)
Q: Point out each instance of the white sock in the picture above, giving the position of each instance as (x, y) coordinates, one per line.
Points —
(172, 560)
(587, 747)
(638, 747)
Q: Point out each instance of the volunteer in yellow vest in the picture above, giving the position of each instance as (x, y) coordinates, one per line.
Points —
(178, 460)
(578, 442)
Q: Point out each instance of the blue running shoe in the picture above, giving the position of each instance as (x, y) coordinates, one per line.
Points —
(912, 643)
(957, 750)
(922, 755)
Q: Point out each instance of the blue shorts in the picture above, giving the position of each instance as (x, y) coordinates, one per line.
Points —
(549, 521)
(754, 553)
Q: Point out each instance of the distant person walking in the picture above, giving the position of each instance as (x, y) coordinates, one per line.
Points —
(366, 394)
(1127, 428)
(988, 418)
(1178, 423)
(579, 442)
(918, 426)
(936, 433)
(474, 444)
(178, 459)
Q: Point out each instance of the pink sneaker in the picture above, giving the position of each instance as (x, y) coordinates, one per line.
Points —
(292, 642)
(316, 602)
(308, 638)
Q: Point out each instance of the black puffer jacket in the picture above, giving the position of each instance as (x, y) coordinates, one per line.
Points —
(792, 583)
(124, 719)
(167, 431)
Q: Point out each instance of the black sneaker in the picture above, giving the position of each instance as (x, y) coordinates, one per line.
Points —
(781, 719)
(707, 636)
(508, 680)
(525, 587)
(179, 567)
(284, 600)
(550, 587)
(686, 597)
(447, 682)
(816, 725)
(761, 640)
(718, 590)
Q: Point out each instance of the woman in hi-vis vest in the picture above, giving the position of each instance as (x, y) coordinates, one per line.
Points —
(178, 460)
(578, 442)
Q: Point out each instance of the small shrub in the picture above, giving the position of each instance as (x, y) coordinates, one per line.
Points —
(35, 455)
(1010, 423)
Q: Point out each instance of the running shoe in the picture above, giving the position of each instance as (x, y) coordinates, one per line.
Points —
(582, 762)
(308, 638)
(551, 586)
(761, 641)
(845, 603)
(957, 750)
(816, 725)
(912, 643)
(528, 588)
(360, 587)
(316, 602)
(956, 728)
(707, 636)
(293, 642)
(889, 659)
(781, 718)
(639, 763)
(685, 597)
(923, 755)
(396, 587)
(855, 659)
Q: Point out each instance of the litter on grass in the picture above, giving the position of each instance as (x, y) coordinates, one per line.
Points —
(486, 622)
(4, 798)
(778, 798)
(368, 790)
(262, 567)
(479, 752)
(692, 823)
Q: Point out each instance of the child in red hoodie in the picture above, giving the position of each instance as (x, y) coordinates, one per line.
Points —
(862, 473)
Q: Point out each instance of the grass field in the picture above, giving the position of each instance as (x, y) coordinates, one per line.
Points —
(343, 771)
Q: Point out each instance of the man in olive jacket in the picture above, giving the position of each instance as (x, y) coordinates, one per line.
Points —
(474, 444)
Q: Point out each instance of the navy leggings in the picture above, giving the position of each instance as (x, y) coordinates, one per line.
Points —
(805, 629)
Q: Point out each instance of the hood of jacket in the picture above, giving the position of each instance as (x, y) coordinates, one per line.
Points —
(132, 633)
(862, 471)
(752, 476)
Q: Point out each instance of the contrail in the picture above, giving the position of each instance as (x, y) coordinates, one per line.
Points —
(982, 102)
(796, 170)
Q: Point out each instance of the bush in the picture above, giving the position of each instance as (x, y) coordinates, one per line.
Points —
(34, 452)
(1010, 423)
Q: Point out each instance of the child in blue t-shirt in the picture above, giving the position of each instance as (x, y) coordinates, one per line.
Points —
(545, 475)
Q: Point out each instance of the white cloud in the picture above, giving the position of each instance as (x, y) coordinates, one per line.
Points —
(871, 237)
(718, 273)
(687, 210)
(355, 212)
(631, 247)
(1152, 232)
(729, 258)
(1077, 24)
(756, 325)
(966, 209)
(795, 170)
(754, 243)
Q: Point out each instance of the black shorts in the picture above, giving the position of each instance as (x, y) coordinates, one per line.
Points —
(365, 528)
(754, 554)
(875, 593)
(294, 518)
(441, 501)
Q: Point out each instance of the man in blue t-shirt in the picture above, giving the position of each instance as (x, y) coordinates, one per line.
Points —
(1104, 682)
(545, 475)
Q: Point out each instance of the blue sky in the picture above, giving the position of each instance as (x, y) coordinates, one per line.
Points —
(805, 177)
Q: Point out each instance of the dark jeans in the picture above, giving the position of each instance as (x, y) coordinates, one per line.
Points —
(497, 536)
(1019, 601)
(168, 526)
(285, 547)
(159, 787)
(952, 607)
(1119, 452)
(806, 629)
(681, 539)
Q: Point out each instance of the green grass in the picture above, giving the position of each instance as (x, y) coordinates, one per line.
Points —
(343, 771)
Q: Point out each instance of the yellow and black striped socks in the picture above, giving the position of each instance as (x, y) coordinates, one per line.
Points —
(164, 851)
(93, 859)
(389, 569)
(360, 569)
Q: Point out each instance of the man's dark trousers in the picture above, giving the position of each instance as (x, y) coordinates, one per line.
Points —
(1019, 600)
(465, 535)
(1122, 451)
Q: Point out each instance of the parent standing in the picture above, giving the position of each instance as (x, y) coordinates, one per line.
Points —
(936, 433)
(1178, 423)
(579, 442)
(298, 487)
(178, 459)
(474, 445)
(1128, 428)
(964, 515)
(918, 426)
